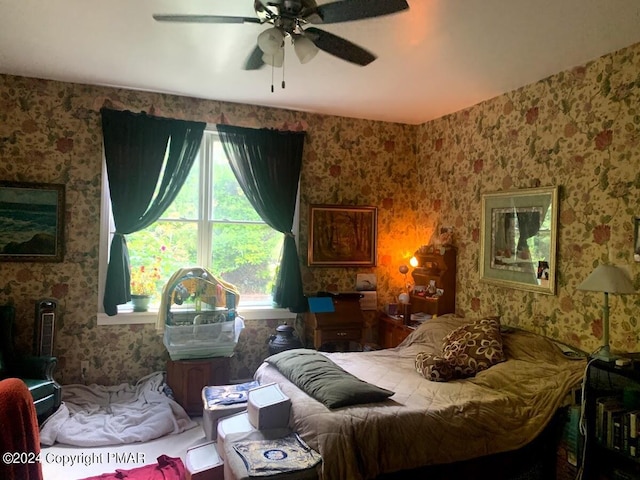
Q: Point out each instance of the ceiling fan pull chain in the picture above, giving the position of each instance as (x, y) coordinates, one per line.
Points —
(272, 67)
(283, 67)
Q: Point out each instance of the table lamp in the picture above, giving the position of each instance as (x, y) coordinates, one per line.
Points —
(607, 279)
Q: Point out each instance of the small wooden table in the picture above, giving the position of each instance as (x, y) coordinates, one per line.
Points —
(392, 330)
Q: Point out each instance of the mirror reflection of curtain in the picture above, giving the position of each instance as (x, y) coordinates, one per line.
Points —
(505, 233)
(528, 226)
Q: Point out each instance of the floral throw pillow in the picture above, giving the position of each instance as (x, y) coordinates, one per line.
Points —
(433, 367)
(474, 347)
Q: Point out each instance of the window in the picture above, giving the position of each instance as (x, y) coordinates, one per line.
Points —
(211, 224)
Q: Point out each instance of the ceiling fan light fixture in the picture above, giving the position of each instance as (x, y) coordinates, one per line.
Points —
(276, 60)
(305, 49)
(271, 41)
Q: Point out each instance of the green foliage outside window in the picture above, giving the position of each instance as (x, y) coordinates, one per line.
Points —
(245, 251)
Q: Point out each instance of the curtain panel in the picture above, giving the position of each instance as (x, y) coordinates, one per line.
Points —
(267, 165)
(148, 159)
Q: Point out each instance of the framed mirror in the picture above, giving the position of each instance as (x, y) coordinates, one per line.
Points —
(518, 239)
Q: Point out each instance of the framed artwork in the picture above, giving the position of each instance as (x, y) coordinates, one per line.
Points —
(518, 239)
(636, 239)
(342, 236)
(31, 222)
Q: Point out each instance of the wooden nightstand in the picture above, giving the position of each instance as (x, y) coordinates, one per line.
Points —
(391, 331)
(342, 326)
(187, 378)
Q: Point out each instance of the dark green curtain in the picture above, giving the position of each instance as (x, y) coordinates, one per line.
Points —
(267, 165)
(138, 149)
(528, 226)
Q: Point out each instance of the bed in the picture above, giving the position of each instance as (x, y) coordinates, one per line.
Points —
(433, 423)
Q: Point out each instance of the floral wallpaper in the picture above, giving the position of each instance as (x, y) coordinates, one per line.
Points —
(50, 132)
(579, 130)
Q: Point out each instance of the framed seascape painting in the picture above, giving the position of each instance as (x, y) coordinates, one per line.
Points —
(31, 222)
(342, 236)
(518, 239)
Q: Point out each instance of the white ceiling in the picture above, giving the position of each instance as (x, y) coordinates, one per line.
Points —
(438, 57)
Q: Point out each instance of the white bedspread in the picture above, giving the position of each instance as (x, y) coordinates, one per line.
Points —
(95, 415)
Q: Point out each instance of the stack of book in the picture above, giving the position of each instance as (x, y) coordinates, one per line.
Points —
(617, 427)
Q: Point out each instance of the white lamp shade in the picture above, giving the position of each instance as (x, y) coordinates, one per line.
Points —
(271, 41)
(305, 49)
(609, 279)
(276, 60)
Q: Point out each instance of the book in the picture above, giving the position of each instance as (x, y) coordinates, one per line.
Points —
(634, 425)
(615, 440)
(218, 395)
(603, 406)
(276, 456)
(613, 412)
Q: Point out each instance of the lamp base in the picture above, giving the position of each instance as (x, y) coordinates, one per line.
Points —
(604, 354)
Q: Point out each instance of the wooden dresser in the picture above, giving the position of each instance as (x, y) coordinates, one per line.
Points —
(340, 327)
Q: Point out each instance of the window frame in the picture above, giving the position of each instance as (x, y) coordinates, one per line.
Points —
(125, 315)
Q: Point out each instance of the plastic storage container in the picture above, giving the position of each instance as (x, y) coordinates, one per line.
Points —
(202, 340)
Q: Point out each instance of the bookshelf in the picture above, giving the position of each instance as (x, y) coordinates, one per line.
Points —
(612, 403)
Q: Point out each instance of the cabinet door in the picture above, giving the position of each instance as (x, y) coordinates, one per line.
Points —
(386, 337)
(399, 334)
(187, 378)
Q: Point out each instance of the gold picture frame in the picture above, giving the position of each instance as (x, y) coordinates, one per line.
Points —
(342, 236)
(518, 239)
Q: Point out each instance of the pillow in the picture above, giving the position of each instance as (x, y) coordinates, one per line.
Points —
(474, 347)
(467, 350)
(320, 378)
(434, 368)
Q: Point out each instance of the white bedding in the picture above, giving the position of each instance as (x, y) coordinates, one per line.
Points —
(95, 415)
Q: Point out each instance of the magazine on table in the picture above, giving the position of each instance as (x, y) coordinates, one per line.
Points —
(227, 394)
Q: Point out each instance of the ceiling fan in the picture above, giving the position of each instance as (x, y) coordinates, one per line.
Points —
(289, 18)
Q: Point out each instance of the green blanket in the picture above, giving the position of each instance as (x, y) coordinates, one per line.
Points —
(325, 381)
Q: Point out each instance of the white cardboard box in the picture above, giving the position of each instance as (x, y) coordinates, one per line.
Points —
(203, 462)
(211, 417)
(238, 423)
(268, 407)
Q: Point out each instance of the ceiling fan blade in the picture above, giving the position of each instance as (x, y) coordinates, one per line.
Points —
(204, 19)
(349, 10)
(254, 61)
(339, 47)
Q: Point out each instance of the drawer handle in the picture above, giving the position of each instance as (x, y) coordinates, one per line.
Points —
(342, 334)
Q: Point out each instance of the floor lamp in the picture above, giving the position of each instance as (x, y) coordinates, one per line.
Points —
(607, 279)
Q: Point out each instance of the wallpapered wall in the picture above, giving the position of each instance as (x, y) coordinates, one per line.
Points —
(50, 132)
(578, 130)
